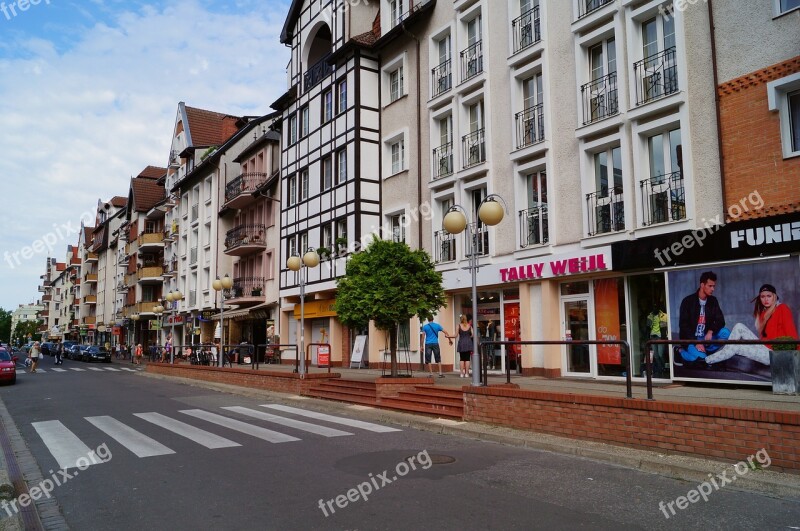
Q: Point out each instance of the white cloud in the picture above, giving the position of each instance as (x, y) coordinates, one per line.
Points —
(76, 124)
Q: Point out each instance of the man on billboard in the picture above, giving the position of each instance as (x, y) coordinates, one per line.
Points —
(701, 318)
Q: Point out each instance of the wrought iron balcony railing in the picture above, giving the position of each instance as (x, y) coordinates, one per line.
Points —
(480, 239)
(245, 235)
(586, 7)
(600, 99)
(656, 76)
(314, 75)
(471, 61)
(245, 183)
(444, 247)
(474, 148)
(533, 226)
(606, 210)
(247, 287)
(526, 29)
(530, 126)
(441, 78)
(663, 198)
(443, 161)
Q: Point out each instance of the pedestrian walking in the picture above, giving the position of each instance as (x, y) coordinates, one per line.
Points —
(464, 345)
(430, 332)
(34, 354)
(138, 355)
(60, 353)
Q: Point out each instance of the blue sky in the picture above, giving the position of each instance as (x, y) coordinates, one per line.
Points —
(88, 95)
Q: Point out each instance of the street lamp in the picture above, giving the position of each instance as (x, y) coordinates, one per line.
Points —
(295, 263)
(455, 221)
(135, 318)
(220, 285)
(173, 297)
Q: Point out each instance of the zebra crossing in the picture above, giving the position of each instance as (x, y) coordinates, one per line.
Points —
(70, 451)
(59, 370)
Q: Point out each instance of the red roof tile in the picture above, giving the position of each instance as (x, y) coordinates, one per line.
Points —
(87, 234)
(147, 193)
(153, 172)
(208, 128)
(365, 39)
(60, 266)
(119, 201)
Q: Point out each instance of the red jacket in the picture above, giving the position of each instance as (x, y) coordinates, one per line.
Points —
(780, 324)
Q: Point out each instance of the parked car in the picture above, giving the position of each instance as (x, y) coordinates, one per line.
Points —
(49, 348)
(95, 353)
(68, 344)
(8, 366)
(74, 352)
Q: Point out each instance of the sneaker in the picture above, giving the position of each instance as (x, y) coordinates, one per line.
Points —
(441, 376)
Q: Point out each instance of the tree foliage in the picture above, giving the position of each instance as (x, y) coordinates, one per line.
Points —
(388, 283)
(22, 330)
(5, 325)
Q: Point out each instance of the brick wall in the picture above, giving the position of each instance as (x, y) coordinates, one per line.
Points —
(751, 143)
(726, 433)
(277, 381)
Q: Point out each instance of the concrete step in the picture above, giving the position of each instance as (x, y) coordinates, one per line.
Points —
(429, 408)
(350, 391)
(344, 397)
(355, 384)
(431, 399)
(444, 392)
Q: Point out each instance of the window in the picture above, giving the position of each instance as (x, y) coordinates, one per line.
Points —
(327, 173)
(527, 28)
(481, 241)
(398, 156)
(663, 193)
(472, 57)
(398, 224)
(341, 236)
(783, 97)
(327, 106)
(303, 242)
(443, 155)
(442, 74)
(291, 245)
(291, 190)
(396, 84)
(607, 203)
(341, 96)
(397, 11)
(788, 5)
(292, 129)
(530, 121)
(327, 236)
(341, 173)
(304, 121)
(303, 185)
(657, 73)
(600, 94)
(474, 145)
(534, 229)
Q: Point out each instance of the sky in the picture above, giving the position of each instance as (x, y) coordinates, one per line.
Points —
(89, 91)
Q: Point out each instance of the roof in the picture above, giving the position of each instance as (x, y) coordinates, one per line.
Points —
(288, 27)
(87, 233)
(209, 128)
(60, 266)
(366, 39)
(153, 172)
(146, 193)
(119, 201)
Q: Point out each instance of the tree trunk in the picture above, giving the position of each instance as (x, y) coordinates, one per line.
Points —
(393, 350)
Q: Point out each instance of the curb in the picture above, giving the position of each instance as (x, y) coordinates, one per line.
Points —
(690, 469)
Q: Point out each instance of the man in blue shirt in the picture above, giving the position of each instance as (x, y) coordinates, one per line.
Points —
(430, 331)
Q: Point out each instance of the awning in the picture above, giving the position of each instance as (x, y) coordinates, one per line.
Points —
(244, 313)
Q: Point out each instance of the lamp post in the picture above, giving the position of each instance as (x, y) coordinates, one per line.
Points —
(295, 263)
(158, 309)
(135, 318)
(221, 285)
(173, 297)
(455, 221)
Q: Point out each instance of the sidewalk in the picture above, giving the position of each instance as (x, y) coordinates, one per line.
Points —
(757, 397)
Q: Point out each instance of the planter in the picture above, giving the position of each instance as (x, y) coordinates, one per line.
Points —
(785, 366)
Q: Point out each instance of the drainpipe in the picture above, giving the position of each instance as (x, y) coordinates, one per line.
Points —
(716, 98)
(419, 134)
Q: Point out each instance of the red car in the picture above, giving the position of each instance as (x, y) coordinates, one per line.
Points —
(8, 367)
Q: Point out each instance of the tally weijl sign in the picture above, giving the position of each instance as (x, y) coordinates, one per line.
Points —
(562, 265)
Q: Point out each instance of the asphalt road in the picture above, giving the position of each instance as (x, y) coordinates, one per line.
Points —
(167, 480)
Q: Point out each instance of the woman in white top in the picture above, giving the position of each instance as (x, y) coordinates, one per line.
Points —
(34, 355)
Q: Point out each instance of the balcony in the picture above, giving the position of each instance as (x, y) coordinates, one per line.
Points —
(606, 210)
(239, 192)
(444, 247)
(150, 241)
(170, 269)
(149, 275)
(245, 239)
(481, 239)
(90, 277)
(89, 320)
(471, 61)
(44, 313)
(656, 76)
(663, 198)
(526, 29)
(441, 78)
(131, 247)
(90, 299)
(143, 308)
(533, 226)
(47, 298)
(122, 287)
(91, 257)
(443, 161)
(473, 148)
(316, 73)
(530, 126)
(586, 7)
(247, 290)
(600, 99)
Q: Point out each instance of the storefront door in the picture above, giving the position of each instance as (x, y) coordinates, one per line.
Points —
(579, 359)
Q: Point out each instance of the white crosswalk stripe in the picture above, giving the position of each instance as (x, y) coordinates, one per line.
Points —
(111, 369)
(65, 446)
(40, 370)
(128, 369)
(249, 429)
(291, 423)
(331, 418)
(138, 443)
(95, 369)
(202, 437)
(74, 369)
(59, 370)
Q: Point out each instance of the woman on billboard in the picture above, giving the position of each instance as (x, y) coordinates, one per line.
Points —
(772, 319)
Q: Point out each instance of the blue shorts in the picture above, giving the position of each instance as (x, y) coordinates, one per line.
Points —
(691, 353)
(433, 349)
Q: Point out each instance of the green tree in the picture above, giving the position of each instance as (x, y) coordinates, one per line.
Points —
(388, 283)
(24, 328)
(5, 325)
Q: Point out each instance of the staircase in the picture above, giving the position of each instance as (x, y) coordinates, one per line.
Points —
(430, 400)
(355, 391)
